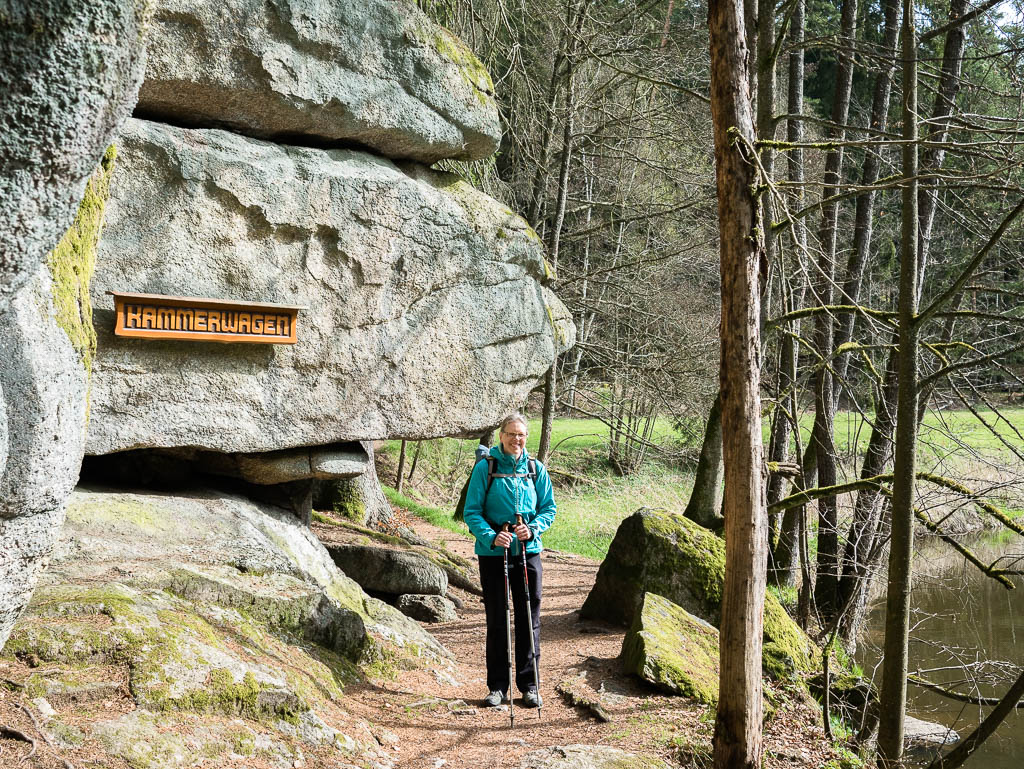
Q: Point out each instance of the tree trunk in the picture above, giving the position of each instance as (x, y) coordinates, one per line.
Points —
(785, 557)
(705, 505)
(400, 475)
(737, 740)
(548, 419)
(864, 217)
(938, 128)
(893, 694)
(827, 576)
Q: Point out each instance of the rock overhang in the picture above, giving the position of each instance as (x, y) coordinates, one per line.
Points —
(427, 314)
(378, 74)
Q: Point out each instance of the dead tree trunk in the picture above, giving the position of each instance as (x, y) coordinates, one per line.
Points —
(737, 741)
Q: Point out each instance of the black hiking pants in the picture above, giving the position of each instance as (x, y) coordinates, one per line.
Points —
(493, 583)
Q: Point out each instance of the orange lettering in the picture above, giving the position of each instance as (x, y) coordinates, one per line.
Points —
(148, 317)
(165, 318)
(244, 322)
(132, 316)
(201, 320)
(257, 322)
(183, 320)
(214, 324)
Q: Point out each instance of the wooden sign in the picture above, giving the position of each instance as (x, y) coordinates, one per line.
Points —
(154, 316)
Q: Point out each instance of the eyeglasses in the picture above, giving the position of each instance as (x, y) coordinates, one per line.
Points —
(517, 436)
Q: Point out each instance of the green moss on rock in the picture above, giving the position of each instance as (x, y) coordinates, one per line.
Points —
(451, 48)
(665, 553)
(73, 261)
(673, 650)
(148, 518)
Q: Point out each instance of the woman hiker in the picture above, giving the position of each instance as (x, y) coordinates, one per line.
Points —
(507, 485)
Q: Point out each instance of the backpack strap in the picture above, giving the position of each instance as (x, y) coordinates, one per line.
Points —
(492, 463)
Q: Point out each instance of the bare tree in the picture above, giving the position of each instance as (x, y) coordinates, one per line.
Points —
(737, 741)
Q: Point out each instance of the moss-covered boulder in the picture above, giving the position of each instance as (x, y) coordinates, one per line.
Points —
(656, 551)
(202, 610)
(673, 650)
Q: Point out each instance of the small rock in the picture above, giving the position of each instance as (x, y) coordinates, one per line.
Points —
(384, 736)
(427, 608)
(439, 762)
(45, 708)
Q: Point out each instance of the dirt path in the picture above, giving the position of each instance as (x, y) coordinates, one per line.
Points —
(436, 719)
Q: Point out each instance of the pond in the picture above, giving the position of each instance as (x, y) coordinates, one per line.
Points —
(961, 622)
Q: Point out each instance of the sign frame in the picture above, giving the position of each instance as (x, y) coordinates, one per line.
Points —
(143, 316)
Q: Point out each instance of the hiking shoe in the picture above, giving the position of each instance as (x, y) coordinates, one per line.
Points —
(531, 698)
(493, 699)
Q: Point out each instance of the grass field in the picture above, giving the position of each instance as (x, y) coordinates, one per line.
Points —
(590, 510)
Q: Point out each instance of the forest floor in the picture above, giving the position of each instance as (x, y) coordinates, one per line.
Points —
(436, 718)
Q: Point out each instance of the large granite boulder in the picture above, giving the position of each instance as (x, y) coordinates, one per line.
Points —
(426, 311)
(387, 570)
(214, 608)
(46, 348)
(375, 73)
(673, 650)
(69, 74)
(45, 385)
(665, 553)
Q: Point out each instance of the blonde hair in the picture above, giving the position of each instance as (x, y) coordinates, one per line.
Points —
(515, 416)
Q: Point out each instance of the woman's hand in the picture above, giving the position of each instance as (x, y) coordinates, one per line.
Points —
(523, 532)
(504, 539)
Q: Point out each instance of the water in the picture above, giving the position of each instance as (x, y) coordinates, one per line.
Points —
(961, 617)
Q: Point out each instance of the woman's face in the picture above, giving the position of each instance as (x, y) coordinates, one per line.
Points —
(513, 438)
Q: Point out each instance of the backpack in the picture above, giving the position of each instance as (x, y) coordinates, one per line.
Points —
(483, 452)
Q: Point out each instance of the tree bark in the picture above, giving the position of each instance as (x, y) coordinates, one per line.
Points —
(400, 475)
(548, 417)
(864, 217)
(705, 505)
(942, 117)
(738, 740)
(785, 558)
(893, 694)
(826, 579)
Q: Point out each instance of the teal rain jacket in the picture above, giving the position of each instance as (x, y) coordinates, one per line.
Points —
(507, 497)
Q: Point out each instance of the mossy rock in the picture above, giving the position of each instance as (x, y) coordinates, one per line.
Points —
(665, 553)
(73, 261)
(342, 497)
(673, 650)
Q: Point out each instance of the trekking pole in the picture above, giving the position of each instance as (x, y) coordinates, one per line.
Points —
(508, 638)
(529, 609)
